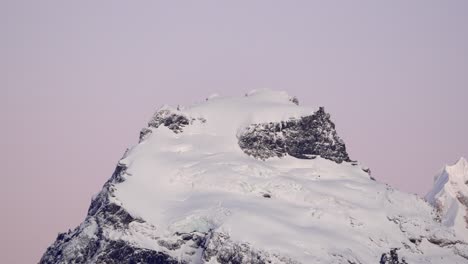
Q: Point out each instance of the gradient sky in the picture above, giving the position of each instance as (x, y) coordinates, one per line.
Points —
(80, 78)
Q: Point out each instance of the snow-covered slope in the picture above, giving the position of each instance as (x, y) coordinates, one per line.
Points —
(450, 196)
(251, 179)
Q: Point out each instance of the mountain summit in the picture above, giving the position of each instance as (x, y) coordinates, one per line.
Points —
(251, 179)
(450, 196)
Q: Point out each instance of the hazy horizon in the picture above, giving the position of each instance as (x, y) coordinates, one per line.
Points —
(80, 79)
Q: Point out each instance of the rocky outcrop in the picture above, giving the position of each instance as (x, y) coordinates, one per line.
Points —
(172, 119)
(223, 250)
(304, 138)
(175, 120)
(392, 258)
(76, 247)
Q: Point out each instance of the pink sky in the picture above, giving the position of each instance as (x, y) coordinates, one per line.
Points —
(80, 78)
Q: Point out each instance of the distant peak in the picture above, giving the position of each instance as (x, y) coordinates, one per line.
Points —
(461, 162)
(460, 168)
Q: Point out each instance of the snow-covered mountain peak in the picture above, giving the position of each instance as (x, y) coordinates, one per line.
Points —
(459, 170)
(250, 179)
(263, 124)
(450, 196)
(452, 178)
(228, 115)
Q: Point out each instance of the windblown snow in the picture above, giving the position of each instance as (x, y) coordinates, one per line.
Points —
(189, 177)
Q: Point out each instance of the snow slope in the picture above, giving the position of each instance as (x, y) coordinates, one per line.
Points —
(188, 193)
(450, 196)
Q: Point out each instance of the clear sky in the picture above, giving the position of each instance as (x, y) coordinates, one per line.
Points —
(78, 79)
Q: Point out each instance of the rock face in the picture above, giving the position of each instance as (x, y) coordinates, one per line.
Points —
(304, 138)
(190, 192)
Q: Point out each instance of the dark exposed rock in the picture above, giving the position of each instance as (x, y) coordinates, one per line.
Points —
(173, 121)
(392, 257)
(416, 241)
(367, 170)
(464, 201)
(144, 133)
(294, 100)
(100, 250)
(121, 252)
(220, 247)
(304, 138)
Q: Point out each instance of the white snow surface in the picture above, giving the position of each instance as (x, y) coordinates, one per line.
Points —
(450, 196)
(319, 211)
